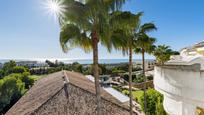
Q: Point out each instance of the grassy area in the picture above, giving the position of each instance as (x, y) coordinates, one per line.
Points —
(136, 94)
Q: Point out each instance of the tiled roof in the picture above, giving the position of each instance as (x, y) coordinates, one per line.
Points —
(50, 85)
(43, 89)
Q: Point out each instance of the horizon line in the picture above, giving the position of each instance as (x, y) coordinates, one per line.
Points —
(66, 58)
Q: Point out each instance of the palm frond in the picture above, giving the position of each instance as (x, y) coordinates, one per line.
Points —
(89, 15)
(71, 36)
(114, 5)
(147, 27)
(77, 13)
(125, 20)
(137, 50)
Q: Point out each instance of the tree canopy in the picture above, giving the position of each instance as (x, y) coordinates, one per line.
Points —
(163, 53)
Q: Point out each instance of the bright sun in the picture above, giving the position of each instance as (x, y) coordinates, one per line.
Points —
(54, 8)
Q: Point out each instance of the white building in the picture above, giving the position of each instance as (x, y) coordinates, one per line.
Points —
(194, 50)
(149, 64)
(31, 64)
(181, 81)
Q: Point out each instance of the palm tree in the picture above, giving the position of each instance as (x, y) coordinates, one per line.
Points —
(145, 44)
(85, 25)
(123, 39)
(163, 53)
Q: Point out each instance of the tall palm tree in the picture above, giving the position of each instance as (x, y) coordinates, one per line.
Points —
(85, 25)
(123, 39)
(145, 44)
(163, 53)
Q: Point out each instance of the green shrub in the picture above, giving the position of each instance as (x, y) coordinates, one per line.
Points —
(150, 77)
(126, 92)
(126, 77)
(1, 73)
(19, 69)
(138, 79)
(154, 103)
(11, 89)
(159, 107)
(8, 66)
(29, 81)
(202, 113)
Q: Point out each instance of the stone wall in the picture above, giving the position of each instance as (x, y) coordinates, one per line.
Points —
(76, 101)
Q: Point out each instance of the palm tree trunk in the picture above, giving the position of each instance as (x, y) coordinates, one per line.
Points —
(145, 79)
(96, 74)
(130, 79)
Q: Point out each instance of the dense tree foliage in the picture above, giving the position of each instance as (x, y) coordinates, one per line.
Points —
(19, 69)
(51, 64)
(116, 71)
(137, 78)
(77, 67)
(14, 81)
(154, 103)
(12, 87)
(1, 73)
(8, 67)
(126, 77)
(103, 69)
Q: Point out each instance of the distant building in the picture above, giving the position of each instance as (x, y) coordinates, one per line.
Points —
(117, 80)
(194, 50)
(105, 80)
(149, 64)
(31, 64)
(67, 93)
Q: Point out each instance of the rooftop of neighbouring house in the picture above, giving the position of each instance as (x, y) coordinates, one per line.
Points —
(48, 86)
(118, 95)
(187, 61)
(193, 47)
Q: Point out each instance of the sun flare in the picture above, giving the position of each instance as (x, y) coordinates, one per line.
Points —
(55, 8)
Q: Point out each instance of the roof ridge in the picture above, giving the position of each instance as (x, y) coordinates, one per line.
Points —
(49, 98)
(65, 72)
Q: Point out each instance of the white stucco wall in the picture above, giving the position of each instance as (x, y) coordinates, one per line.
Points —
(183, 89)
(200, 49)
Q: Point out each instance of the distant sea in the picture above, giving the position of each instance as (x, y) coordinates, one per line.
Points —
(81, 61)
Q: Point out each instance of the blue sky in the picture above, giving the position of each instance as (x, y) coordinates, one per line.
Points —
(26, 31)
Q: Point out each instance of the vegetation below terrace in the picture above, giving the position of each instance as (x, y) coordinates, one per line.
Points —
(154, 100)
